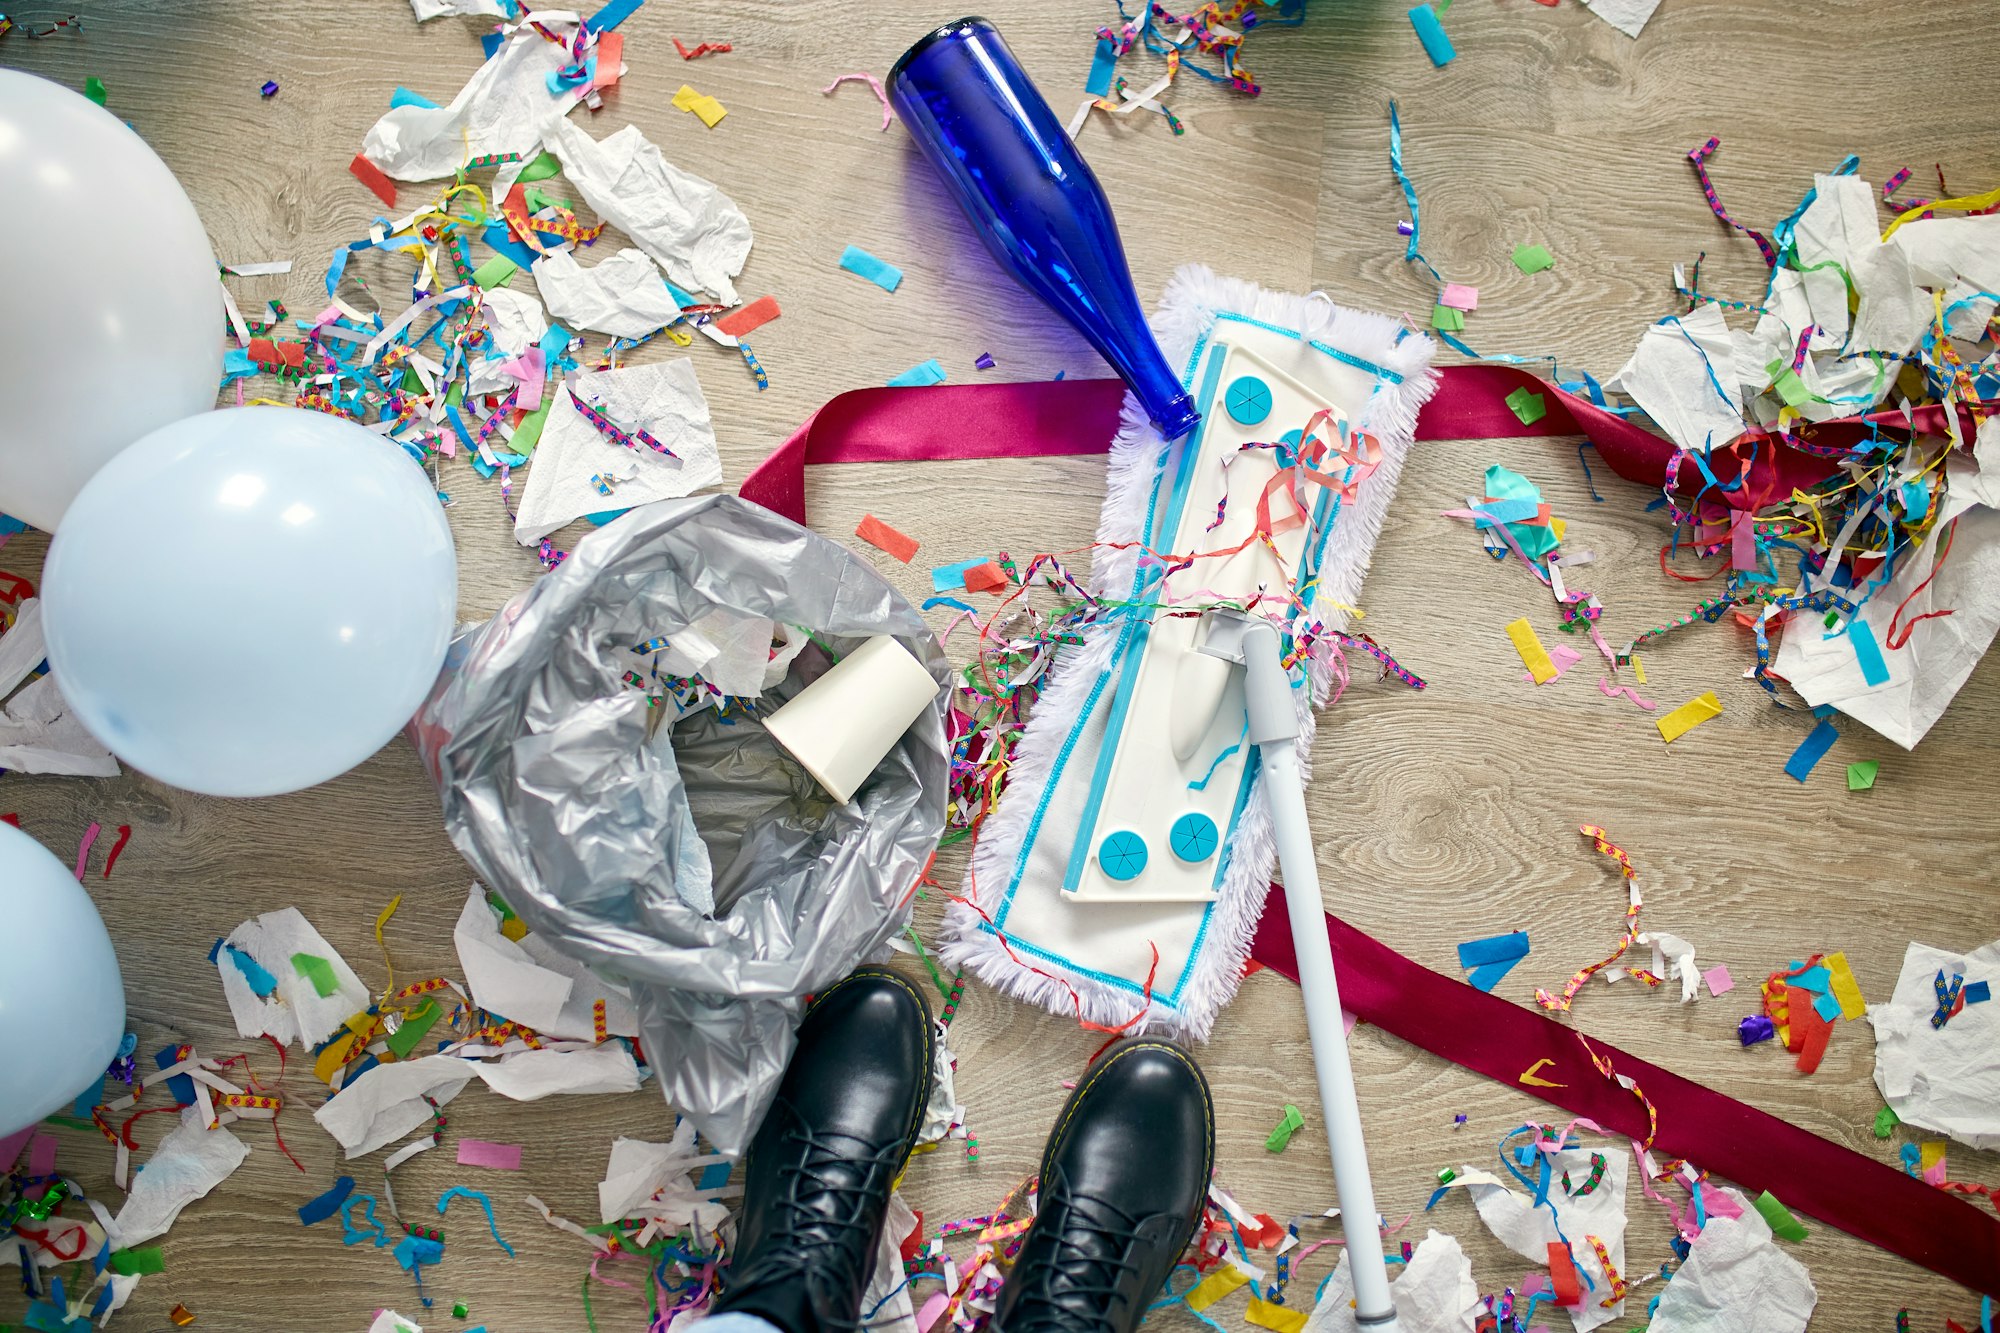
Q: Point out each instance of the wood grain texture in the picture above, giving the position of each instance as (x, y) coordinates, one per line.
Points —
(1441, 816)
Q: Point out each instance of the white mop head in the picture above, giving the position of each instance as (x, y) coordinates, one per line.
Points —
(1092, 959)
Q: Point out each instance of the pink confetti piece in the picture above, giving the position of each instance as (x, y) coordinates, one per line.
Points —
(864, 77)
(11, 1144)
(1459, 297)
(1718, 979)
(83, 849)
(1563, 659)
(1612, 692)
(493, 1156)
(42, 1155)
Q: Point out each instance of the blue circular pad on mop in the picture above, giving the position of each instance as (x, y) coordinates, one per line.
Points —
(1193, 837)
(1122, 855)
(1248, 399)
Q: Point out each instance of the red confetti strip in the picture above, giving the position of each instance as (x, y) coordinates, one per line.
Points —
(748, 319)
(988, 577)
(705, 49)
(124, 836)
(885, 538)
(371, 175)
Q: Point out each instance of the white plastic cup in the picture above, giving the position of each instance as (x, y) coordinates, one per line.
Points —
(840, 726)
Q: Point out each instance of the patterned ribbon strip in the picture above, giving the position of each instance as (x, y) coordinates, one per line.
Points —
(1699, 157)
(1603, 843)
(631, 440)
(1619, 1286)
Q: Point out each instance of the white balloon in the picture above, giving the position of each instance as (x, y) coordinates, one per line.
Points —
(251, 601)
(114, 314)
(62, 1002)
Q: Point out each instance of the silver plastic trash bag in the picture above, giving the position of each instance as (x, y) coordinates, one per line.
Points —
(610, 825)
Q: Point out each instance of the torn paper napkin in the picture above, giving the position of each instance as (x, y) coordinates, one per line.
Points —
(503, 108)
(189, 1163)
(729, 651)
(1937, 655)
(1628, 16)
(1836, 236)
(657, 1180)
(664, 400)
(1736, 1281)
(295, 1011)
(533, 984)
(515, 319)
(1946, 1079)
(38, 733)
(1434, 1293)
(1673, 959)
(387, 1101)
(887, 1302)
(532, 1075)
(1529, 1230)
(1683, 374)
(624, 296)
(695, 231)
(430, 9)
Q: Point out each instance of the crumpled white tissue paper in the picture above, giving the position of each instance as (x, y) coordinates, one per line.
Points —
(659, 1180)
(504, 108)
(38, 733)
(295, 1011)
(430, 9)
(1736, 1280)
(189, 1163)
(1946, 1079)
(532, 984)
(694, 230)
(532, 1075)
(1683, 372)
(1939, 654)
(1529, 1231)
(665, 400)
(386, 1102)
(624, 296)
(1434, 1293)
(1628, 16)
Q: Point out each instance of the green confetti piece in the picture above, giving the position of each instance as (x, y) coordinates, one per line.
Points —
(1533, 258)
(1832, 617)
(459, 1311)
(1291, 1124)
(530, 431)
(456, 398)
(1446, 318)
(1792, 389)
(318, 971)
(1529, 406)
(1779, 1217)
(128, 1263)
(543, 167)
(1861, 775)
(495, 272)
(1886, 1120)
(419, 1021)
(93, 88)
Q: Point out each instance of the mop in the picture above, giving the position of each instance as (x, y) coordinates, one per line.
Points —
(1120, 878)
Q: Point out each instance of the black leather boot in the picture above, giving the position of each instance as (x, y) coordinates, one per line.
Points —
(818, 1172)
(1123, 1180)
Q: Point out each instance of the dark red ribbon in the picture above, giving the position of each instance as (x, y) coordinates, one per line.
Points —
(1491, 1036)
(1054, 417)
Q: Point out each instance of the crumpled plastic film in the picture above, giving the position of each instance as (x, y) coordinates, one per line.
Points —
(580, 804)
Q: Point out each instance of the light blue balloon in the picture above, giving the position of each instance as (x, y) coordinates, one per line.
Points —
(62, 1002)
(251, 601)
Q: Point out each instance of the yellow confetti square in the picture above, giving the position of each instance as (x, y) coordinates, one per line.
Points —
(1688, 716)
(1533, 655)
(1638, 668)
(1278, 1318)
(1558, 527)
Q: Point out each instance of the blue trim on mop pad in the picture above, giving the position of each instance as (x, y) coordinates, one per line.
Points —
(1139, 628)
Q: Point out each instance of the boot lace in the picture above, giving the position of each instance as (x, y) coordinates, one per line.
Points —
(820, 1234)
(1076, 1289)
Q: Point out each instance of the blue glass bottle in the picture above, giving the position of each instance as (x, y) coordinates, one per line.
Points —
(1033, 199)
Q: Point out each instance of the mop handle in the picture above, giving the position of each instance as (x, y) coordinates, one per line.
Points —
(1274, 729)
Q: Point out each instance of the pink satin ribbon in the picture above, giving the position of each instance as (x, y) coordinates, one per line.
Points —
(1490, 1036)
(1053, 417)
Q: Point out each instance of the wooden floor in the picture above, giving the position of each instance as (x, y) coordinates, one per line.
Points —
(1441, 817)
